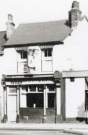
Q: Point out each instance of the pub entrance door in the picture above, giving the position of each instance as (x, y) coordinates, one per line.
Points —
(11, 104)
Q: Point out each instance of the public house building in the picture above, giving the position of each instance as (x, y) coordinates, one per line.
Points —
(39, 82)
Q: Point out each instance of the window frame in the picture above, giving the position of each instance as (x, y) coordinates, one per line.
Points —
(47, 58)
(47, 52)
(23, 54)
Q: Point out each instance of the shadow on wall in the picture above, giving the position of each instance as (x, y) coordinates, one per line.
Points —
(82, 114)
(0, 109)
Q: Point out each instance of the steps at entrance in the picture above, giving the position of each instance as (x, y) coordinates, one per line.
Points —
(31, 111)
(31, 115)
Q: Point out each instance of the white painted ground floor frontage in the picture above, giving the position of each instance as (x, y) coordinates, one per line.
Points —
(45, 97)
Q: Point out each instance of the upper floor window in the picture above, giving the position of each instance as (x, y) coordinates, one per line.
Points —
(47, 60)
(1, 51)
(23, 54)
(48, 52)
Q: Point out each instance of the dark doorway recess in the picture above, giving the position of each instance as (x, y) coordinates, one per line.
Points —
(86, 100)
(51, 100)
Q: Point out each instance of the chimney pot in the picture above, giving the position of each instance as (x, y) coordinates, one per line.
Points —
(75, 4)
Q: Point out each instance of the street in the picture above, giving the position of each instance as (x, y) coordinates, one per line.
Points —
(35, 132)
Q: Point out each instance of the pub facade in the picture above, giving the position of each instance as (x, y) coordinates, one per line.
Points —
(34, 87)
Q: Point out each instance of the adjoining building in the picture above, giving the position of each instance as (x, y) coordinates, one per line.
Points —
(34, 85)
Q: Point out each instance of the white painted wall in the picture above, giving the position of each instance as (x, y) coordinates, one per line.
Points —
(23, 98)
(9, 61)
(75, 98)
(73, 55)
(8, 65)
(1, 100)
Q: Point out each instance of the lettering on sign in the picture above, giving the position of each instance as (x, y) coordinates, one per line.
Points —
(16, 83)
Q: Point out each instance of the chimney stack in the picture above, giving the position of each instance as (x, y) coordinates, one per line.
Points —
(74, 14)
(10, 26)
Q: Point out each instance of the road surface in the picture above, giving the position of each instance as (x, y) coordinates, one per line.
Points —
(30, 132)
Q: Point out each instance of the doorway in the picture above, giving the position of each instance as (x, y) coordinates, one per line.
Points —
(11, 105)
(51, 100)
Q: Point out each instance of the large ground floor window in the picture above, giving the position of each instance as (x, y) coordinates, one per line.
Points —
(35, 96)
(35, 100)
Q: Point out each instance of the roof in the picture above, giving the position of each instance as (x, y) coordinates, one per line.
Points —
(2, 38)
(39, 33)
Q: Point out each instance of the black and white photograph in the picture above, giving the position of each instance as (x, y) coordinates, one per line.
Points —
(43, 67)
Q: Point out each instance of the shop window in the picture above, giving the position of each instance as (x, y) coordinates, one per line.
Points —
(51, 88)
(41, 88)
(32, 88)
(35, 99)
(24, 88)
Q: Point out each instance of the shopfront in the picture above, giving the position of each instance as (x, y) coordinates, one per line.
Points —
(29, 98)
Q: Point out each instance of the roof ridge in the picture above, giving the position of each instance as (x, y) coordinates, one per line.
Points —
(39, 33)
(2, 30)
(50, 21)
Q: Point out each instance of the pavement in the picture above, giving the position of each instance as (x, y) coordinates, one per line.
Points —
(68, 128)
